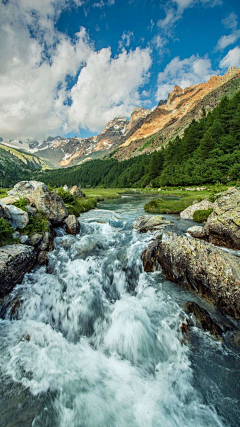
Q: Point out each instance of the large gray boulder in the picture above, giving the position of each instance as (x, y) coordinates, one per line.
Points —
(146, 223)
(223, 225)
(15, 216)
(49, 203)
(15, 261)
(188, 212)
(200, 266)
(25, 188)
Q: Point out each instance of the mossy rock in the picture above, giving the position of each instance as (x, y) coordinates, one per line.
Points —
(202, 215)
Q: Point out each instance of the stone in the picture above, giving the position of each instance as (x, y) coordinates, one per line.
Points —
(32, 211)
(199, 266)
(77, 192)
(47, 241)
(9, 200)
(15, 261)
(146, 223)
(202, 319)
(197, 231)
(36, 239)
(65, 187)
(25, 239)
(49, 203)
(188, 212)
(42, 258)
(16, 216)
(223, 225)
(25, 188)
(72, 225)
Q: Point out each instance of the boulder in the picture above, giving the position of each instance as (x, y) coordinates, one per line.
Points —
(49, 203)
(202, 319)
(72, 225)
(15, 261)
(150, 223)
(9, 200)
(188, 212)
(25, 188)
(223, 225)
(200, 266)
(47, 241)
(36, 239)
(17, 217)
(197, 231)
(77, 192)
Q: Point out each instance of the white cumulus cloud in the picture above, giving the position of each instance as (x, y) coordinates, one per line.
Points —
(38, 64)
(108, 87)
(232, 59)
(184, 73)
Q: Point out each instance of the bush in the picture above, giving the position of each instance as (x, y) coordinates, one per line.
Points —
(65, 195)
(6, 232)
(37, 224)
(202, 215)
(81, 205)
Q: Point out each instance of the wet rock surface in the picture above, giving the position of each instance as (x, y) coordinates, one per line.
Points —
(223, 225)
(15, 261)
(72, 225)
(150, 223)
(202, 319)
(199, 266)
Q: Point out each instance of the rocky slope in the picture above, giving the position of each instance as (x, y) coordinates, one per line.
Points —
(69, 151)
(171, 118)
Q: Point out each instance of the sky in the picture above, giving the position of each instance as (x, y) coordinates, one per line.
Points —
(68, 67)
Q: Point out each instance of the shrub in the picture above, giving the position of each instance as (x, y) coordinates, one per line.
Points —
(37, 224)
(202, 215)
(81, 205)
(65, 195)
(6, 232)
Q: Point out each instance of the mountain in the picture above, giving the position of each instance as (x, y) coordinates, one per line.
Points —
(30, 160)
(145, 131)
(64, 152)
(171, 118)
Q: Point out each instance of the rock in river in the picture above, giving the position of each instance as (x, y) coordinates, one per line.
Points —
(200, 266)
(197, 231)
(15, 261)
(188, 212)
(150, 223)
(223, 225)
(72, 225)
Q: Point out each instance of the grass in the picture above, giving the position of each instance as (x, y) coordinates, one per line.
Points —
(81, 205)
(202, 215)
(169, 206)
(104, 193)
(3, 192)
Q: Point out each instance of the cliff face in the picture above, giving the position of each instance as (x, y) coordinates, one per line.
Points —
(182, 106)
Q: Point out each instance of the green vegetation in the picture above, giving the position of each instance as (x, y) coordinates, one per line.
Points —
(38, 223)
(147, 144)
(76, 205)
(169, 206)
(21, 203)
(3, 192)
(6, 232)
(104, 193)
(208, 152)
(202, 215)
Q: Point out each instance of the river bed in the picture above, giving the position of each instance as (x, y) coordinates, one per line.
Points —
(94, 341)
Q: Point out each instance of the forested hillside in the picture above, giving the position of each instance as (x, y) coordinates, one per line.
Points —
(13, 169)
(208, 152)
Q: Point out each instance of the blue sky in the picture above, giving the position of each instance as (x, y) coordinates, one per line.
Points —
(70, 66)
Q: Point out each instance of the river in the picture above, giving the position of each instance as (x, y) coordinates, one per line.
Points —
(96, 342)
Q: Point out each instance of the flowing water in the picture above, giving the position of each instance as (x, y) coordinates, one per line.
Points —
(94, 341)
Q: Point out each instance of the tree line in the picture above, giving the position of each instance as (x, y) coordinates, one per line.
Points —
(208, 152)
